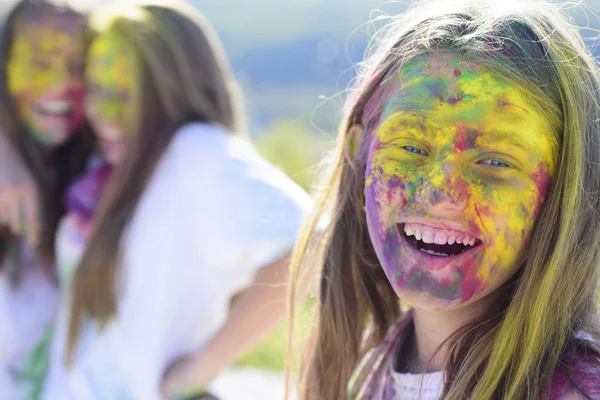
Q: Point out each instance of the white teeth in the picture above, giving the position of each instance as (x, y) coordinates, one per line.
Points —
(434, 253)
(56, 106)
(427, 236)
(440, 237)
(452, 238)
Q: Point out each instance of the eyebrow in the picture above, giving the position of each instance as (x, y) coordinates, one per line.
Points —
(421, 123)
(495, 136)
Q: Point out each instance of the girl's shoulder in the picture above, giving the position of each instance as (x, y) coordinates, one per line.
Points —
(201, 138)
(579, 381)
(371, 374)
(211, 149)
(213, 157)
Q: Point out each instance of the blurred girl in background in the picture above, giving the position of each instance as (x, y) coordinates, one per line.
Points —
(183, 266)
(44, 138)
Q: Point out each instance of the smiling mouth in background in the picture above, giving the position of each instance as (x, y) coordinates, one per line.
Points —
(54, 108)
(437, 242)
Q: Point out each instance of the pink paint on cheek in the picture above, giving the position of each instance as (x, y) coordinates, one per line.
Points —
(542, 181)
(457, 73)
(404, 200)
(471, 285)
(390, 195)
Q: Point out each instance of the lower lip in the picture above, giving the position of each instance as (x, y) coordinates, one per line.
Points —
(438, 263)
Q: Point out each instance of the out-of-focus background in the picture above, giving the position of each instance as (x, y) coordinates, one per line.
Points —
(294, 59)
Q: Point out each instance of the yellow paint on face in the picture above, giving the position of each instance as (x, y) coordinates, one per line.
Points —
(460, 147)
(113, 91)
(45, 73)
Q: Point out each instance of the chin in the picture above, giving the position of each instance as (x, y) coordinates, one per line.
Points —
(428, 302)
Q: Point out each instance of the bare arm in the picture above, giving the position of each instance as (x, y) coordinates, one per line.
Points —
(18, 194)
(254, 312)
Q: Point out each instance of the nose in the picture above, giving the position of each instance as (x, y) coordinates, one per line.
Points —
(443, 190)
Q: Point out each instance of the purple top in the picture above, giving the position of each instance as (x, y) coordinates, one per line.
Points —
(373, 378)
(84, 193)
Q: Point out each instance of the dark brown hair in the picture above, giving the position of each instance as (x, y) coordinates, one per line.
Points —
(66, 162)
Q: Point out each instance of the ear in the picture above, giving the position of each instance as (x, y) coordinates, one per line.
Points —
(354, 138)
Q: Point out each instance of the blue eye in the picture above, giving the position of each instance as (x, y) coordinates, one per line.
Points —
(495, 163)
(415, 150)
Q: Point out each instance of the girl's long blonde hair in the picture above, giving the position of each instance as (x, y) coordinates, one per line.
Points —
(185, 78)
(511, 352)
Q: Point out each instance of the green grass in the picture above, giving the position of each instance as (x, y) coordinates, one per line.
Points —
(270, 353)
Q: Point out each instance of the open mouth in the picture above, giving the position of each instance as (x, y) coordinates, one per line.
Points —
(437, 242)
(54, 108)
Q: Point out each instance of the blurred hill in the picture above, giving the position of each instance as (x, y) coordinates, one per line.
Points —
(290, 55)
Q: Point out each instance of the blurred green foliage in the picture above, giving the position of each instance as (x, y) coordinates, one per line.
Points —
(296, 150)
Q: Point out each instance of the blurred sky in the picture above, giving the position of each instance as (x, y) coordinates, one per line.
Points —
(290, 54)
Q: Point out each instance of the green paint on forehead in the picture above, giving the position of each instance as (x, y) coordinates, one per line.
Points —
(424, 82)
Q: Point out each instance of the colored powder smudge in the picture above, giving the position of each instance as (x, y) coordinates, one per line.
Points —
(420, 280)
(466, 138)
(455, 100)
(457, 72)
(467, 75)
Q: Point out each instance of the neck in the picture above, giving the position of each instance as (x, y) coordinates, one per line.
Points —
(427, 349)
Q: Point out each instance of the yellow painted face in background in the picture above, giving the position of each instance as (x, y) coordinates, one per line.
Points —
(45, 73)
(457, 172)
(112, 93)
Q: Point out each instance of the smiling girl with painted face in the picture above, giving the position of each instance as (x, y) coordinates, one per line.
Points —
(42, 45)
(465, 185)
(186, 257)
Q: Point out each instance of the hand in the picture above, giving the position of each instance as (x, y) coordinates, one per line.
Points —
(19, 200)
(185, 378)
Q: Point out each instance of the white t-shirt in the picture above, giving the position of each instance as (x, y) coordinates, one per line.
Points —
(27, 312)
(213, 213)
(429, 386)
